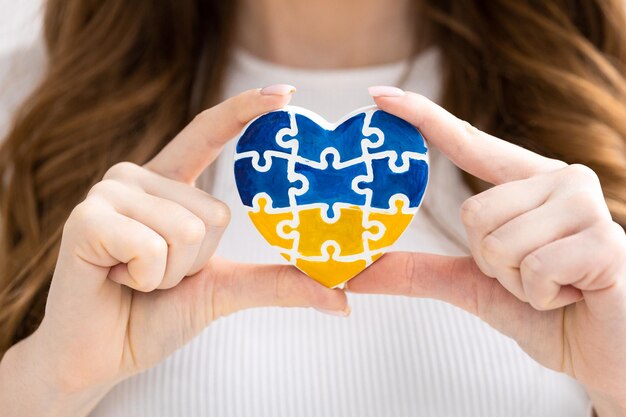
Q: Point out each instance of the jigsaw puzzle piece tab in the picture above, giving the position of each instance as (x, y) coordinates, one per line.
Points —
(274, 181)
(347, 231)
(261, 135)
(386, 183)
(399, 138)
(345, 138)
(399, 135)
(331, 272)
(329, 185)
(395, 223)
(267, 222)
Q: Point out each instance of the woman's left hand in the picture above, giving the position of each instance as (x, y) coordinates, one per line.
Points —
(545, 234)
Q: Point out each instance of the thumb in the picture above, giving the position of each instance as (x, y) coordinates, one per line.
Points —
(457, 281)
(242, 286)
(223, 287)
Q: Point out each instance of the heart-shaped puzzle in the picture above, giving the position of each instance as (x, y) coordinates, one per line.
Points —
(332, 198)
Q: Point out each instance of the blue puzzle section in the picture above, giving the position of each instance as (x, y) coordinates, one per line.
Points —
(346, 138)
(387, 183)
(274, 182)
(331, 185)
(400, 136)
(260, 136)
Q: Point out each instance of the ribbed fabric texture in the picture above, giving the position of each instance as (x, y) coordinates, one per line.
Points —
(395, 356)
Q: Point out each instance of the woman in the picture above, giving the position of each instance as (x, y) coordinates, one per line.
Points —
(95, 249)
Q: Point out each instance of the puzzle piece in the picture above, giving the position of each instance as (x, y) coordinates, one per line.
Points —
(274, 181)
(267, 222)
(331, 271)
(345, 138)
(332, 200)
(399, 137)
(329, 185)
(385, 183)
(395, 223)
(261, 136)
(347, 231)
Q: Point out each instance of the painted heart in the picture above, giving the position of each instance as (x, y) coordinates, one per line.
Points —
(331, 198)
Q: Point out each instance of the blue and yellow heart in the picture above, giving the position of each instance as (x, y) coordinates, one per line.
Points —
(331, 198)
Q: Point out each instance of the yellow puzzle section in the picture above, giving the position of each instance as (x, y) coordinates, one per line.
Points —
(331, 272)
(347, 231)
(394, 223)
(267, 224)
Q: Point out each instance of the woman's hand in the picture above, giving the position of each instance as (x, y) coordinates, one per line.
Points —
(549, 264)
(119, 302)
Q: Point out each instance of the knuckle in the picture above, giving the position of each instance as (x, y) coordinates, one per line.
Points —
(585, 203)
(468, 128)
(191, 231)
(556, 166)
(616, 232)
(82, 215)
(145, 285)
(81, 212)
(203, 116)
(86, 222)
(582, 173)
(491, 247)
(426, 115)
(219, 214)
(470, 212)
(613, 236)
(105, 188)
(237, 104)
(154, 246)
(533, 274)
(539, 304)
(122, 170)
(532, 268)
(536, 302)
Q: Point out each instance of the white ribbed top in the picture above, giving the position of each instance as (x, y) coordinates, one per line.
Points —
(394, 356)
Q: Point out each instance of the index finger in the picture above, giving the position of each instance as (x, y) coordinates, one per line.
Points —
(476, 152)
(199, 143)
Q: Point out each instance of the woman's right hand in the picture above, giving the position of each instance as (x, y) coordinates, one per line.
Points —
(136, 279)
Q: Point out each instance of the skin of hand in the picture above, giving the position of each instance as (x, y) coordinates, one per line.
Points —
(136, 279)
(548, 265)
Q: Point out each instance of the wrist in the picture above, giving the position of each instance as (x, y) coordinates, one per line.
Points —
(33, 383)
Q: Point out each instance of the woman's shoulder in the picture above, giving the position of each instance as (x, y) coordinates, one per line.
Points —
(20, 71)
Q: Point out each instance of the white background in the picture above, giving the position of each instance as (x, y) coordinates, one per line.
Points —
(20, 23)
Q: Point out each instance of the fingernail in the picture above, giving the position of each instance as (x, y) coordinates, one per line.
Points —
(385, 91)
(340, 313)
(278, 90)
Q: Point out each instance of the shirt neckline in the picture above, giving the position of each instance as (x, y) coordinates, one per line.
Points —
(250, 63)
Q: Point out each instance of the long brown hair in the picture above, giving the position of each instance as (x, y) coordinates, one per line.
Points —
(124, 77)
